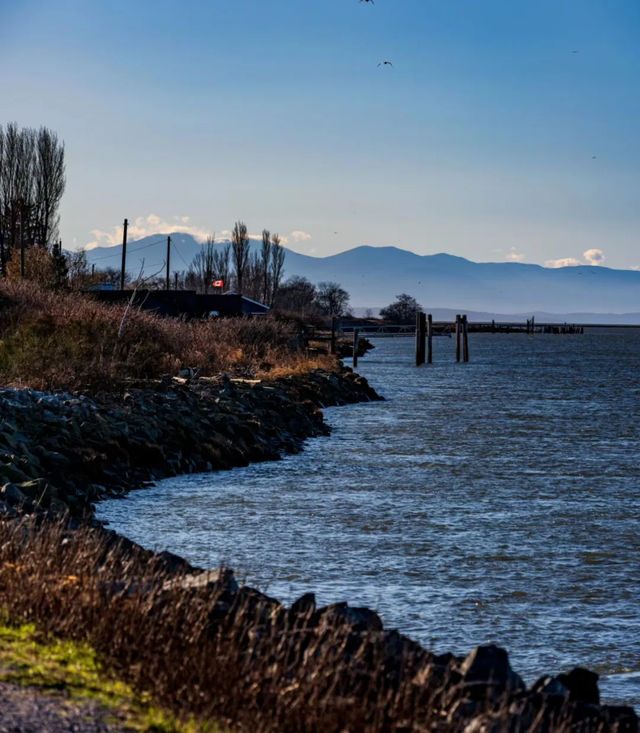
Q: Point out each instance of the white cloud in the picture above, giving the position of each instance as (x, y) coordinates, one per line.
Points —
(145, 226)
(594, 256)
(563, 262)
(513, 256)
(299, 236)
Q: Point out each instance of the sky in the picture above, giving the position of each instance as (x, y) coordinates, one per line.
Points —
(503, 130)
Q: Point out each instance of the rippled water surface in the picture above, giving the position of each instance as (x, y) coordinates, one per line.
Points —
(495, 501)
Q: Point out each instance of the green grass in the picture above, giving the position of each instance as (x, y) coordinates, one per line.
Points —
(30, 659)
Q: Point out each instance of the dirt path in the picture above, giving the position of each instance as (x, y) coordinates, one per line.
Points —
(30, 710)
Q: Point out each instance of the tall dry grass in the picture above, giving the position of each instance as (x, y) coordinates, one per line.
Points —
(67, 341)
(233, 655)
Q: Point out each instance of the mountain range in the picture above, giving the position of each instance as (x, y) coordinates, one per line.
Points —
(374, 276)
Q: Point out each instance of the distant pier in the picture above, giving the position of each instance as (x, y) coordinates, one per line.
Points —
(447, 328)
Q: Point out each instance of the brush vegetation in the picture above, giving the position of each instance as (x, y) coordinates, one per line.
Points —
(215, 652)
(59, 340)
(202, 653)
(30, 658)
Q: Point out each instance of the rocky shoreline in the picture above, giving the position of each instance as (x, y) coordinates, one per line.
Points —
(60, 453)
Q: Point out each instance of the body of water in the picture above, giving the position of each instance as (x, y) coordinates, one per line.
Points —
(495, 501)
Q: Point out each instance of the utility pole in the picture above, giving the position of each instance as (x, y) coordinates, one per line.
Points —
(124, 254)
(175, 278)
(168, 259)
(21, 245)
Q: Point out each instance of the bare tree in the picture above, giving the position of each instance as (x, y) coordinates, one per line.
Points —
(240, 249)
(32, 181)
(203, 264)
(253, 277)
(402, 310)
(16, 187)
(221, 260)
(265, 260)
(79, 273)
(297, 295)
(277, 267)
(332, 299)
(49, 180)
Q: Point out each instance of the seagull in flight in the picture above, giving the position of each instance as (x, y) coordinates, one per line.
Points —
(385, 63)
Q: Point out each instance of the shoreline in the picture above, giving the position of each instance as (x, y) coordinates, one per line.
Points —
(75, 450)
(61, 452)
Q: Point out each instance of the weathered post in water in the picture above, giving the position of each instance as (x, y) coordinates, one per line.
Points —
(458, 338)
(465, 339)
(429, 339)
(420, 337)
(355, 347)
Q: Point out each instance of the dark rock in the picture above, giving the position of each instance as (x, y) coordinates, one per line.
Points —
(621, 717)
(305, 605)
(582, 685)
(341, 614)
(550, 686)
(486, 672)
(12, 495)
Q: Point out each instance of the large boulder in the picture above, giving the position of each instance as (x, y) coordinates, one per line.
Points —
(486, 672)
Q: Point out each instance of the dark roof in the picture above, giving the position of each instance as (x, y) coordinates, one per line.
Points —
(184, 302)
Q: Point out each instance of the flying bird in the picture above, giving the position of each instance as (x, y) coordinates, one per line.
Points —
(367, 1)
(385, 63)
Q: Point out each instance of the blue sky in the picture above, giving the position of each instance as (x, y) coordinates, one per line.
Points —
(479, 141)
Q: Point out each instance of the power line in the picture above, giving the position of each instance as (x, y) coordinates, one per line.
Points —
(175, 247)
(137, 249)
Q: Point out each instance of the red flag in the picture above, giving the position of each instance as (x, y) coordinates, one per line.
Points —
(218, 283)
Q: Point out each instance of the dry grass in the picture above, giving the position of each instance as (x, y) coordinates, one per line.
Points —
(232, 656)
(68, 341)
(237, 658)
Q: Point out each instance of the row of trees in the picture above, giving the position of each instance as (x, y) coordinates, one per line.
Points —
(299, 295)
(32, 181)
(256, 274)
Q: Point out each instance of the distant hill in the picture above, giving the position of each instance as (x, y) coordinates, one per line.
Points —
(375, 275)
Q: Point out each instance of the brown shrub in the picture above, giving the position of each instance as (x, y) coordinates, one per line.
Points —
(234, 655)
(68, 341)
(210, 653)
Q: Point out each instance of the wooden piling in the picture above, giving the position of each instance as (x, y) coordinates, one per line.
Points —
(458, 338)
(355, 347)
(420, 337)
(465, 339)
(429, 339)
